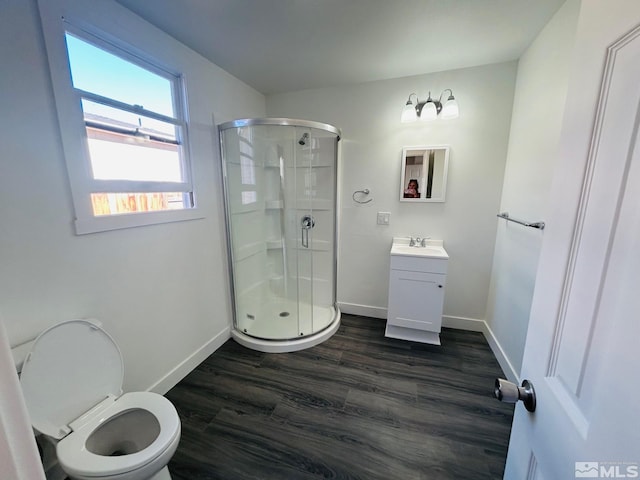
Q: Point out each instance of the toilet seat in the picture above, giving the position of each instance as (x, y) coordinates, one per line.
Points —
(72, 385)
(76, 460)
(71, 367)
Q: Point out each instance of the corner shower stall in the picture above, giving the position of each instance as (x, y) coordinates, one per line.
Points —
(280, 196)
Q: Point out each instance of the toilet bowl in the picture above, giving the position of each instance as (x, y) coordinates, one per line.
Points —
(72, 384)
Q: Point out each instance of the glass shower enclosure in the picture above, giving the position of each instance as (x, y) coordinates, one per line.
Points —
(280, 185)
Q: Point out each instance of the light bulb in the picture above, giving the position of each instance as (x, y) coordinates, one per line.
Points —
(408, 113)
(450, 108)
(429, 112)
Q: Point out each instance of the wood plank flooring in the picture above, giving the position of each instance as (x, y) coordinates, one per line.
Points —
(359, 406)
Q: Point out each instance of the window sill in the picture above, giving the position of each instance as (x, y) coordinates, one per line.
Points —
(132, 220)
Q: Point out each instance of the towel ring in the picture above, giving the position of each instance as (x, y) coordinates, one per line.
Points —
(364, 192)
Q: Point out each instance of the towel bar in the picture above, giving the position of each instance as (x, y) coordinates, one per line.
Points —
(538, 225)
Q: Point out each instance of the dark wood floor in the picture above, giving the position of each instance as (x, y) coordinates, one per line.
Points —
(359, 406)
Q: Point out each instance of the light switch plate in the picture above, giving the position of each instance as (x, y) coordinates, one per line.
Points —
(383, 218)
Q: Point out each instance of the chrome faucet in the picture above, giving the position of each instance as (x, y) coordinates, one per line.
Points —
(418, 242)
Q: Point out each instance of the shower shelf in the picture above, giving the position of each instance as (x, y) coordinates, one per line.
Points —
(273, 204)
(317, 162)
(249, 250)
(274, 244)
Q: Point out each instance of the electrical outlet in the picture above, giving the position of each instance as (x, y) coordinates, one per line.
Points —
(383, 218)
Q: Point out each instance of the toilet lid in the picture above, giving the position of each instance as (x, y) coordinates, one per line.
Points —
(72, 367)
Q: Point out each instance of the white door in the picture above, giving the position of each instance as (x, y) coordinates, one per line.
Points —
(583, 345)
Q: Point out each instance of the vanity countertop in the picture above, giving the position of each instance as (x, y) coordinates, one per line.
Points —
(432, 248)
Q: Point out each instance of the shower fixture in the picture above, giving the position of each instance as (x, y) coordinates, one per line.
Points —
(282, 257)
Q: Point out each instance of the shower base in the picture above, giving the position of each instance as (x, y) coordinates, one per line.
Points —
(275, 328)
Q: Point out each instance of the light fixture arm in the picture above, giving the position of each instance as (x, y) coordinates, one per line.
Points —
(409, 99)
(450, 94)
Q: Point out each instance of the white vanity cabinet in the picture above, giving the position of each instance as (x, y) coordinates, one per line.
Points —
(417, 280)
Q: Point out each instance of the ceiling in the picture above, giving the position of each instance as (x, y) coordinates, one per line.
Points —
(286, 45)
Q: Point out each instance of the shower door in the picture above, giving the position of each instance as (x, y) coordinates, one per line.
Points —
(315, 204)
(305, 185)
(304, 224)
(280, 198)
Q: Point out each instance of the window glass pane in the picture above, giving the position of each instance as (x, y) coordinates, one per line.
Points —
(98, 71)
(115, 156)
(96, 113)
(128, 146)
(118, 203)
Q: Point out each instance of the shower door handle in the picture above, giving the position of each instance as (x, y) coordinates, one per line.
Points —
(307, 223)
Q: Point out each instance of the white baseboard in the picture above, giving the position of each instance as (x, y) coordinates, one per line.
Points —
(463, 323)
(501, 356)
(362, 310)
(167, 382)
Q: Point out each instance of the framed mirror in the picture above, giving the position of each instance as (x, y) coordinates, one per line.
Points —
(424, 173)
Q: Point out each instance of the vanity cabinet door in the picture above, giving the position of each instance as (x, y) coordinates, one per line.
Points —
(416, 300)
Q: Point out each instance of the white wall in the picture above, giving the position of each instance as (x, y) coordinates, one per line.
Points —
(371, 146)
(161, 291)
(538, 108)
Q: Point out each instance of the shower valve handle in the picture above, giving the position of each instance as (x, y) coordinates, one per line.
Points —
(307, 223)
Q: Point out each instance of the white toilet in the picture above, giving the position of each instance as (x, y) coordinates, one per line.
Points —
(72, 384)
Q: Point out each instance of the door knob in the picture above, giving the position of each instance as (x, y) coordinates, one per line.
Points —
(508, 392)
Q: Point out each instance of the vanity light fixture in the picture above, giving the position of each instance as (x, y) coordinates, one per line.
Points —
(429, 109)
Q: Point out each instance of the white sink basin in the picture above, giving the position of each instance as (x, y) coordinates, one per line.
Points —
(432, 249)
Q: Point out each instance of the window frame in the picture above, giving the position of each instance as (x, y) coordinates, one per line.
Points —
(68, 101)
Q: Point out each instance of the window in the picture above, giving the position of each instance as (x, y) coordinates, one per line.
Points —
(124, 133)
